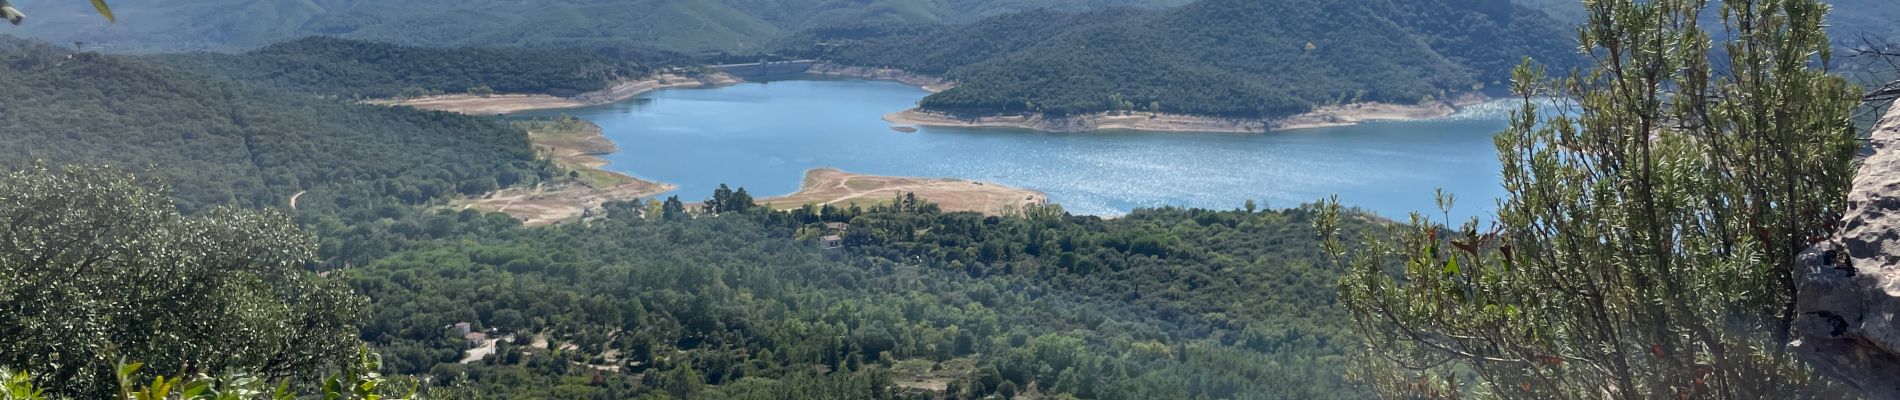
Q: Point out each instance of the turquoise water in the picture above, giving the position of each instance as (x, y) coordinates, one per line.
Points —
(764, 136)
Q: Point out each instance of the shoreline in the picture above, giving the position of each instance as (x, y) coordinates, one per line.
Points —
(928, 83)
(513, 103)
(1322, 117)
(831, 186)
(576, 196)
(1319, 117)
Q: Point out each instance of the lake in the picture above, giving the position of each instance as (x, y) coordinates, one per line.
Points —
(764, 136)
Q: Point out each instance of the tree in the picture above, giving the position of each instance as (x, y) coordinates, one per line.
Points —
(654, 210)
(719, 200)
(681, 381)
(673, 208)
(360, 380)
(1647, 244)
(740, 201)
(95, 267)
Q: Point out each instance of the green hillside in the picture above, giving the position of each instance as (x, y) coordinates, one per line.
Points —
(685, 25)
(219, 142)
(1215, 57)
(1850, 19)
(1162, 304)
(351, 68)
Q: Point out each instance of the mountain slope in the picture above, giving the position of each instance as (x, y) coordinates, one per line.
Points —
(351, 68)
(685, 25)
(1241, 58)
(1850, 19)
(219, 142)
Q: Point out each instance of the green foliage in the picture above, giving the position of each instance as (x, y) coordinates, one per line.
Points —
(223, 143)
(95, 266)
(104, 10)
(1238, 58)
(1217, 304)
(358, 381)
(1647, 247)
(357, 69)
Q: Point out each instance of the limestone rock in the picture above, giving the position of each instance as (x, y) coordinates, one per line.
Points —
(1849, 297)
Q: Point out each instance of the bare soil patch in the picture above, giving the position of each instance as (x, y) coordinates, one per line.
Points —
(839, 188)
(1328, 116)
(574, 145)
(513, 103)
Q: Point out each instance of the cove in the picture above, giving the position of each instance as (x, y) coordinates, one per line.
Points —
(764, 135)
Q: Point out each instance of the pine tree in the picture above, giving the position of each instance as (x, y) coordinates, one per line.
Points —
(1647, 244)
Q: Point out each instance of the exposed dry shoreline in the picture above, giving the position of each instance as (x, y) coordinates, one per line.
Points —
(834, 187)
(568, 198)
(929, 83)
(513, 103)
(1328, 116)
(1344, 115)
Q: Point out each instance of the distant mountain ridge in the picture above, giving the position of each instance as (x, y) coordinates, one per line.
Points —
(681, 25)
(1850, 19)
(1236, 58)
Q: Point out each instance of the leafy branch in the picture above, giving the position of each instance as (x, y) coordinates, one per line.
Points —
(14, 15)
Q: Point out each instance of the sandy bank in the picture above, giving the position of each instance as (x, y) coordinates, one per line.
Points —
(576, 147)
(929, 83)
(1344, 115)
(839, 188)
(512, 103)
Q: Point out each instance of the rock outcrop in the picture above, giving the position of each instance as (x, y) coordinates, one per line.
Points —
(1849, 298)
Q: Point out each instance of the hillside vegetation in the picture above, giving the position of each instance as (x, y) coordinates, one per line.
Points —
(224, 143)
(352, 68)
(1161, 304)
(1238, 58)
(686, 25)
(1850, 20)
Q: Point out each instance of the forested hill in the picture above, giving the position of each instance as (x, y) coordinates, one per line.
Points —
(1241, 58)
(353, 68)
(1850, 20)
(685, 25)
(220, 142)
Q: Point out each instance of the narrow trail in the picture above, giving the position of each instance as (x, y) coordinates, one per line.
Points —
(293, 198)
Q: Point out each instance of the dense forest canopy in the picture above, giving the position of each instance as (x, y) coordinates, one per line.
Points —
(1214, 57)
(220, 142)
(1161, 304)
(351, 68)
